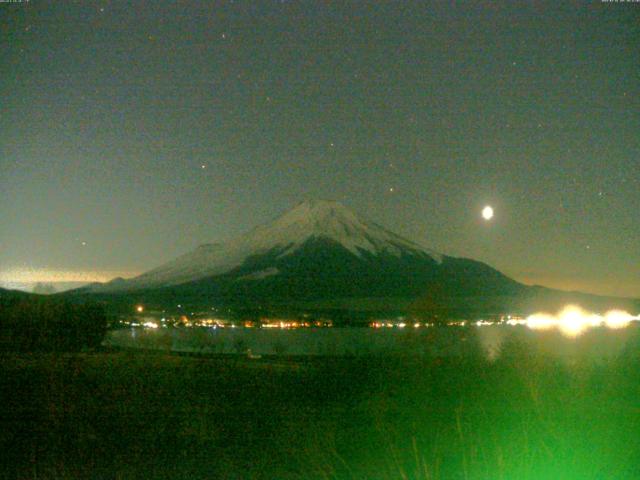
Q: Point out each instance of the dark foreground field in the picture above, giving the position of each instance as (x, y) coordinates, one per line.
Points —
(138, 416)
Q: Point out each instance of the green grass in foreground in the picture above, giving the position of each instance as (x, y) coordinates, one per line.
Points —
(135, 415)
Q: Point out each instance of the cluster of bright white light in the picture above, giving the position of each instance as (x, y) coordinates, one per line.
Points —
(573, 320)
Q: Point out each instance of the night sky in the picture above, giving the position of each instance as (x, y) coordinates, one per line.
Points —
(131, 132)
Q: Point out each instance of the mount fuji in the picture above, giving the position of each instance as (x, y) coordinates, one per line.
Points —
(317, 250)
(267, 250)
(321, 252)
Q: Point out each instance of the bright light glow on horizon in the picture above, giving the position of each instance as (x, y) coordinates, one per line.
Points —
(618, 319)
(541, 321)
(573, 320)
(46, 275)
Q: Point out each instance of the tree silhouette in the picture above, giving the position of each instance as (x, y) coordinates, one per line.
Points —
(44, 288)
(44, 324)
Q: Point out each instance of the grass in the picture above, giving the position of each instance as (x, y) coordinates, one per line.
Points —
(135, 415)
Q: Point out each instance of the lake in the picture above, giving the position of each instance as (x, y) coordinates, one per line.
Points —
(597, 343)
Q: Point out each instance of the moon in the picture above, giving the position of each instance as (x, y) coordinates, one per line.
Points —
(487, 213)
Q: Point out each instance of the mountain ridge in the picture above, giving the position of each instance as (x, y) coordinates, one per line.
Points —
(288, 232)
(319, 253)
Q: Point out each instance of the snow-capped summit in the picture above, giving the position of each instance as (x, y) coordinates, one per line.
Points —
(309, 220)
(333, 221)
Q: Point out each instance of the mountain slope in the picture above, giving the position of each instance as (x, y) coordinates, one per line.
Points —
(318, 251)
(285, 236)
(322, 269)
(323, 254)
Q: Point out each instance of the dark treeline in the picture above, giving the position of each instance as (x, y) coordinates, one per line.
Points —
(40, 324)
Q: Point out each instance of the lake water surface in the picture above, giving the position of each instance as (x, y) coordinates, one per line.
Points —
(442, 341)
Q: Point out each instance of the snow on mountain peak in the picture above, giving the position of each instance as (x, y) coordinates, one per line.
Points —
(308, 220)
(334, 221)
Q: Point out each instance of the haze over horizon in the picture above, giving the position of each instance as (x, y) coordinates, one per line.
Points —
(133, 134)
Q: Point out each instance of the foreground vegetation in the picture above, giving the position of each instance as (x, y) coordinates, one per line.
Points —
(144, 415)
(36, 323)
